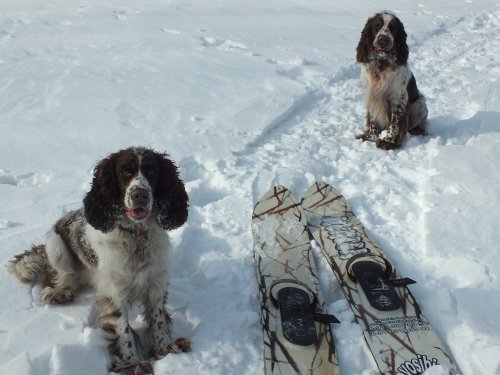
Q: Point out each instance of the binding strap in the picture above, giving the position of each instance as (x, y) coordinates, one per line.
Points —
(387, 272)
(313, 299)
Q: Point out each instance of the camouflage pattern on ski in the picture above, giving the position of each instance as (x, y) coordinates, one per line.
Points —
(402, 341)
(283, 253)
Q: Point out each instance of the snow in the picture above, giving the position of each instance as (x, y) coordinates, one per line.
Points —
(244, 96)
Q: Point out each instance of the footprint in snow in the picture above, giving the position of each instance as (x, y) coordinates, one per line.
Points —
(4, 34)
(29, 179)
(192, 171)
(170, 31)
(273, 61)
(197, 178)
(222, 44)
(201, 195)
(208, 41)
(121, 15)
(8, 179)
(7, 224)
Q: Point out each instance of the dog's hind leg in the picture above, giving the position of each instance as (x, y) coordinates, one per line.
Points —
(418, 117)
(60, 279)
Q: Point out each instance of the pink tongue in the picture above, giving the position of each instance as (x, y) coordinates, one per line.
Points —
(137, 213)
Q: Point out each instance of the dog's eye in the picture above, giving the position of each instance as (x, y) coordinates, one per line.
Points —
(149, 171)
(126, 172)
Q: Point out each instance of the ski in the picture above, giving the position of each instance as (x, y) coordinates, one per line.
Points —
(399, 336)
(297, 334)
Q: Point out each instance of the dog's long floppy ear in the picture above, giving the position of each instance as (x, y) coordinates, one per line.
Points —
(102, 203)
(171, 199)
(401, 47)
(365, 44)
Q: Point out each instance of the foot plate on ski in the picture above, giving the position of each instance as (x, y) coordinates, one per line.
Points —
(377, 288)
(297, 316)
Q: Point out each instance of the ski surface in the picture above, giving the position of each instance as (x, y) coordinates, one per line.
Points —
(399, 336)
(289, 288)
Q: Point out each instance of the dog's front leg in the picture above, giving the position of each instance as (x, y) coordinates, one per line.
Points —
(160, 326)
(398, 127)
(125, 349)
(370, 132)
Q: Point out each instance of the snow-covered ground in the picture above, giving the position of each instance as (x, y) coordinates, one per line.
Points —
(245, 95)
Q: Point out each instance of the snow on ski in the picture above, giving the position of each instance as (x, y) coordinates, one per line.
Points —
(399, 336)
(297, 336)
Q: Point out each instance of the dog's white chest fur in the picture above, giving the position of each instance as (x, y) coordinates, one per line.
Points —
(130, 265)
(383, 89)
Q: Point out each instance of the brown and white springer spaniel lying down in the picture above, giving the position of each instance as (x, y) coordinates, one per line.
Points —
(117, 243)
(393, 102)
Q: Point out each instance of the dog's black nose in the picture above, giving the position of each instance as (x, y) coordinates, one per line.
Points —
(140, 197)
(383, 41)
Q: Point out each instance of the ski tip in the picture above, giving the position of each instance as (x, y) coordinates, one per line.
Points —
(321, 187)
(320, 195)
(277, 199)
(317, 185)
(279, 189)
(273, 191)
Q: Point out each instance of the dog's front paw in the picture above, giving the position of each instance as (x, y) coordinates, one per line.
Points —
(133, 368)
(182, 344)
(418, 131)
(367, 136)
(385, 144)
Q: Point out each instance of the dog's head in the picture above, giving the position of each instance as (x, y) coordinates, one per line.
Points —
(383, 38)
(135, 184)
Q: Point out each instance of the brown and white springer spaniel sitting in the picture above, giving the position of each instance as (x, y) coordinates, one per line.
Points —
(393, 102)
(117, 243)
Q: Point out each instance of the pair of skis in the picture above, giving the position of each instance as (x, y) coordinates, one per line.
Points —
(297, 334)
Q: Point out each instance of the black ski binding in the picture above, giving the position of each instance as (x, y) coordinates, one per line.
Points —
(297, 305)
(376, 281)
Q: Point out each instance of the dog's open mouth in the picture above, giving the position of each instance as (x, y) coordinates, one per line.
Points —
(382, 50)
(138, 213)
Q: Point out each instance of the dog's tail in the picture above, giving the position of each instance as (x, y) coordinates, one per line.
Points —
(29, 265)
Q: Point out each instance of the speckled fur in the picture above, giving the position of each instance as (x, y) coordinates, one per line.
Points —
(393, 102)
(126, 258)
